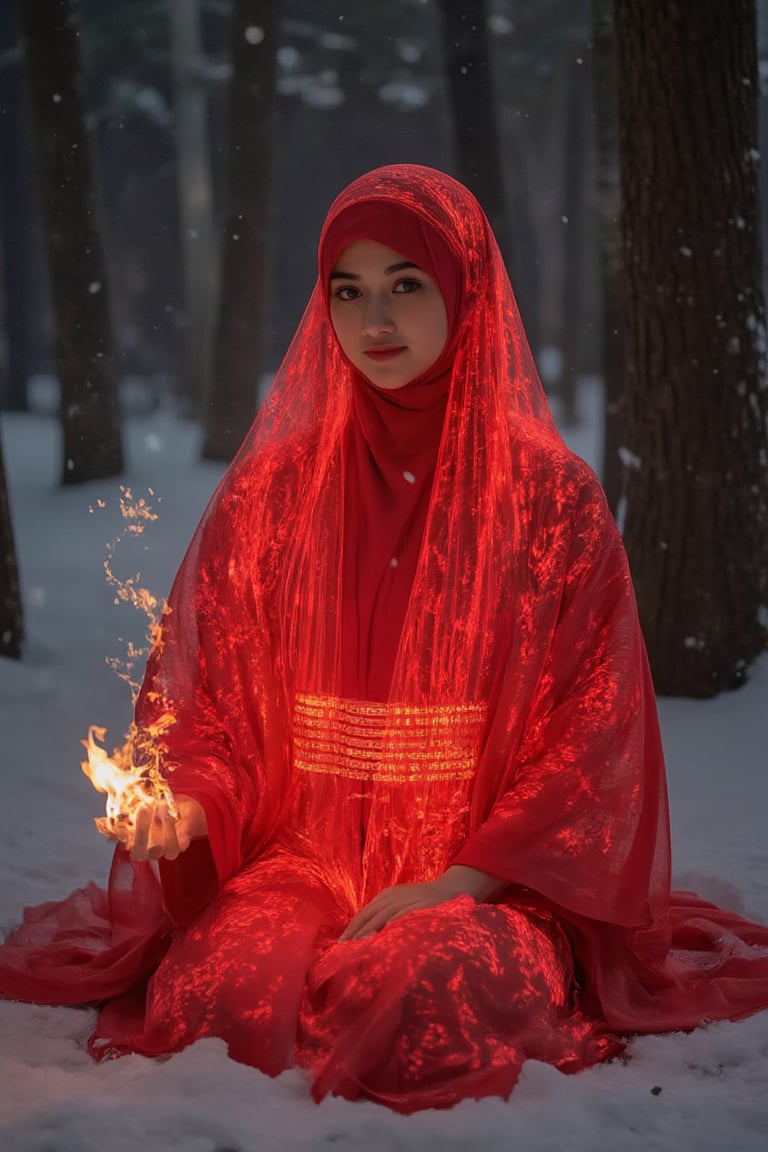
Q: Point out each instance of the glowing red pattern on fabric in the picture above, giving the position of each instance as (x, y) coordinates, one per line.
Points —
(522, 610)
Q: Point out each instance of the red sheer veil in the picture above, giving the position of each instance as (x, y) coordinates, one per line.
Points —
(516, 529)
(463, 570)
(272, 539)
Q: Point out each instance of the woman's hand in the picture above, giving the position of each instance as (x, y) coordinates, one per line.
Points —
(392, 903)
(156, 835)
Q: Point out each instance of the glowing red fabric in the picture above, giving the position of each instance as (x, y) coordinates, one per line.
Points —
(517, 735)
(392, 435)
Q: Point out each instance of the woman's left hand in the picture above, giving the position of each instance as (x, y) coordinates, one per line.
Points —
(392, 903)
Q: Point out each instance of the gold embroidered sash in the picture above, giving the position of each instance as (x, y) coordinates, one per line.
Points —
(394, 744)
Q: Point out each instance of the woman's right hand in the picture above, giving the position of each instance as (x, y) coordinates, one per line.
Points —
(157, 835)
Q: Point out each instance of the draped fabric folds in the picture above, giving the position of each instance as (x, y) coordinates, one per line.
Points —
(506, 722)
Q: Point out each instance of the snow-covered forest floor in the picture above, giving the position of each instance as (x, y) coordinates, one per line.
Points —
(706, 1091)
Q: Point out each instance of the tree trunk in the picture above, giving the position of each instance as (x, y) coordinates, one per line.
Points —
(762, 120)
(198, 244)
(573, 204)
(84, 359)
(14, 217)
(609, 231)
(11, 626)
(468, 68)
(239, 342)
(524, 259)
(696, 458)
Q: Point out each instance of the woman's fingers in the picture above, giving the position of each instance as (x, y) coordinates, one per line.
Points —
(163, 841)
(392, 904)
(373, 924)
(362, 920)
(154, 834)
(191, 823)
(381, 918)
(141, 825)
(355, 926)
(379, 913)
(179, 839)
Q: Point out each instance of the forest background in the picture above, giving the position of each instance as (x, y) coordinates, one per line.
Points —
(165, 166)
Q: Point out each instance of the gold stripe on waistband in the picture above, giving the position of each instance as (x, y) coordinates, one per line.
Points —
(391, 743)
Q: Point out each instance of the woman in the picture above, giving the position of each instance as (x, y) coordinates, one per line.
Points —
(422, 828)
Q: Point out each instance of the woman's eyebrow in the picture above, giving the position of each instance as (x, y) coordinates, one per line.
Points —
(339, 275)
(399, 267)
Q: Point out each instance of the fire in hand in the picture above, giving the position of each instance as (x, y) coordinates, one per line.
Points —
(128, 788)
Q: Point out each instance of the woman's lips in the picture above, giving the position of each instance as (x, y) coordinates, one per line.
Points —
(383, 353)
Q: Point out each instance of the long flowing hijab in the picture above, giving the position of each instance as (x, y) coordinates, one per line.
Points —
(520, 609)
(392, 443)
(256, 613)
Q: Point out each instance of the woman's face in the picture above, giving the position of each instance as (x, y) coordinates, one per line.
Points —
(388, 315)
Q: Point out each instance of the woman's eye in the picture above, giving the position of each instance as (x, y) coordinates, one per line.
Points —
(347, 293)
(407, 286)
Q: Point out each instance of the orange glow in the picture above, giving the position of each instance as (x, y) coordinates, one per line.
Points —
(136, 513)
(127, 786)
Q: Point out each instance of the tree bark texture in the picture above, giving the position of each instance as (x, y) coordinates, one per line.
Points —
(468, 68)
(195, 188)
(84, 358)
(609, 234)
(696, 445)
(523, 258)
(11, 624)
(14, 217)
(243, 301)
(574, 147)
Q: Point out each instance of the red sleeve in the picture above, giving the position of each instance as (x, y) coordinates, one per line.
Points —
(584, 821)
(210, 752)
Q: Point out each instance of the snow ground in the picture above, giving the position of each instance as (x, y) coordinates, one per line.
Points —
(713, 1083)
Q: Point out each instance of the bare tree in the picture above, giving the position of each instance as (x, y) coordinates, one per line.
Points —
(11, 624)
(609, 234)
(696, 451)
(16, 293)
(468, 68)
(239, 340)
(195, 190)
(92, 442)
(575, 147)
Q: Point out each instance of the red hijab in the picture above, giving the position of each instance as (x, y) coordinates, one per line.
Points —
(391, 450)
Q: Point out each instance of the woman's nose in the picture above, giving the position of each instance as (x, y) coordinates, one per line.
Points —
(378, 317)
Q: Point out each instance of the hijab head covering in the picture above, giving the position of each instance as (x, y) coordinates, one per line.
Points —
(261, 611)
(398, 227)
(519, 661)
(443, 416)
(391, 451)
(295, 550)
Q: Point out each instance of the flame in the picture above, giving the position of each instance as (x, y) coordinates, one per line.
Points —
(136, 513)
(130, 786)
